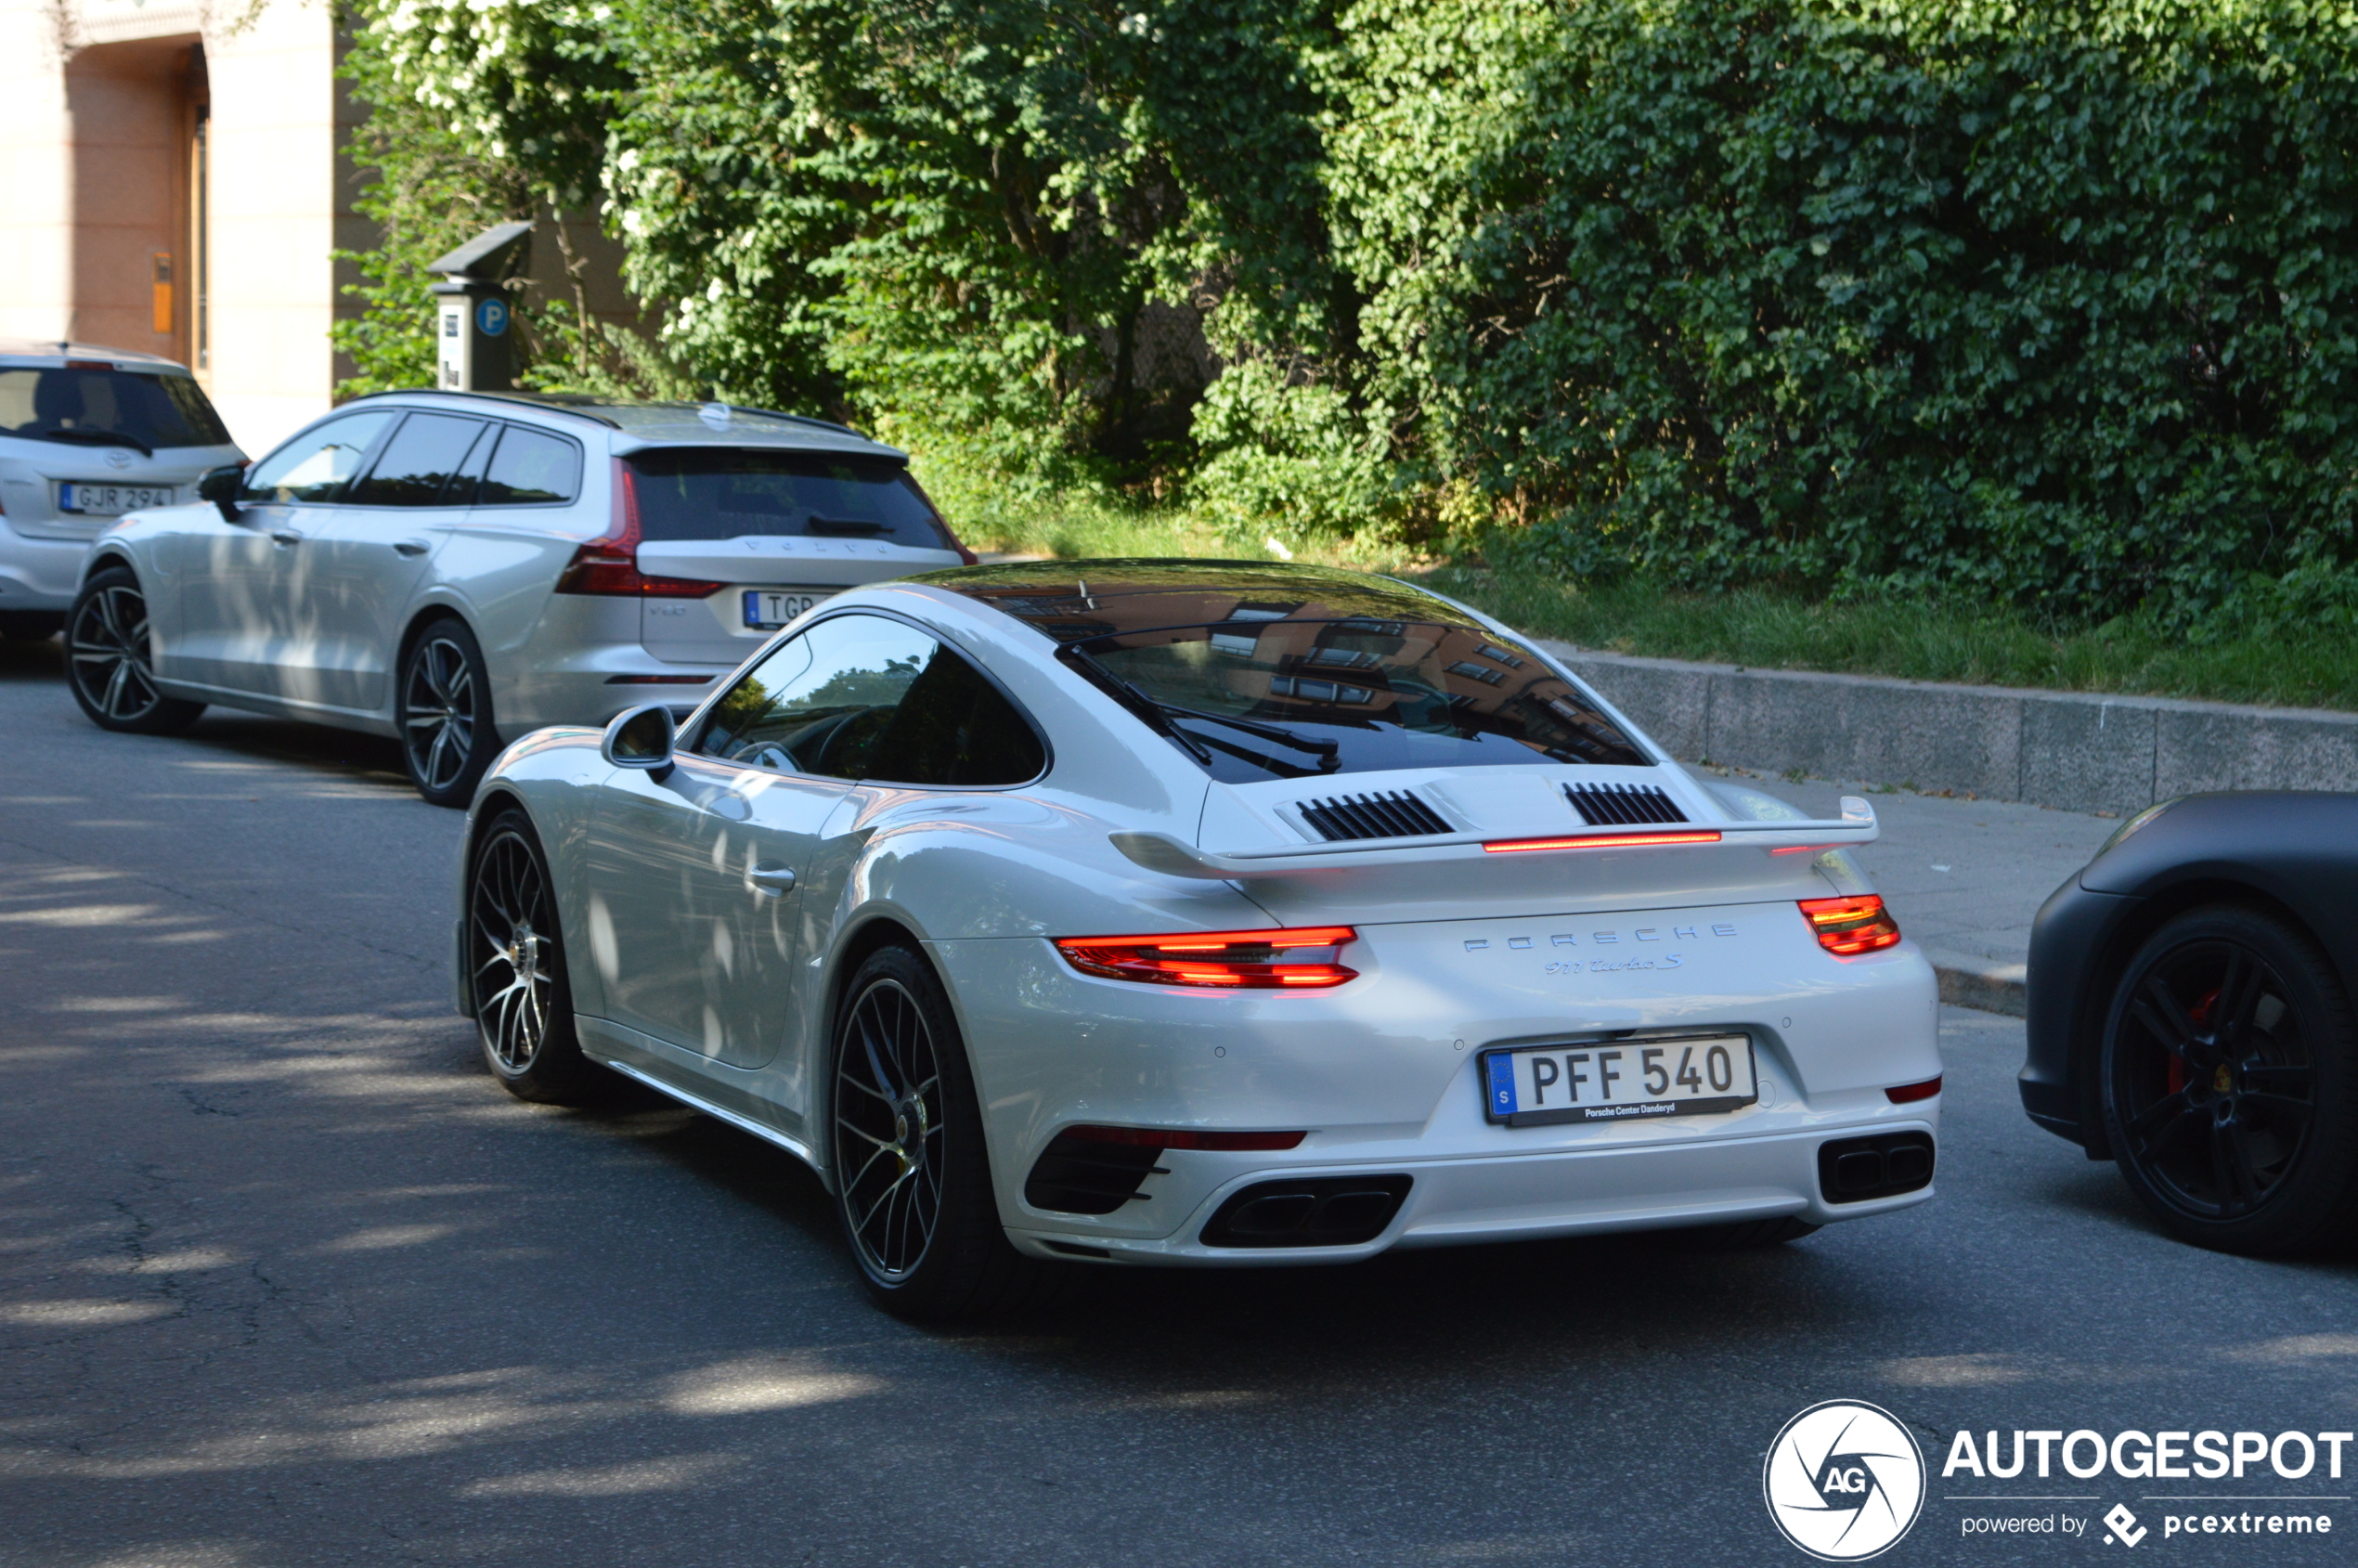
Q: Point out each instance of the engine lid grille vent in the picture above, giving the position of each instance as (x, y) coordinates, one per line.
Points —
(1392, 814)
(1604, 804)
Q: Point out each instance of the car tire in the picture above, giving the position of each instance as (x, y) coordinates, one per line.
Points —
(2229, 1073)
(442, 711)
(912, 1171)
(516, 970)
(110, 659)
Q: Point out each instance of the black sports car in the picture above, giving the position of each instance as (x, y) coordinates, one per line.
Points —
(2190, 1016)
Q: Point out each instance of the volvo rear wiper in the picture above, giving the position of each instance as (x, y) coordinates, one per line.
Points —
(98, 438)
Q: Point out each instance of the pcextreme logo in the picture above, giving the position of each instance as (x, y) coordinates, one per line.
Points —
(1844, 1481)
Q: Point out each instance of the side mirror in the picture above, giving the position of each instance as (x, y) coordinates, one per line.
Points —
(641, 738)
(220, 485)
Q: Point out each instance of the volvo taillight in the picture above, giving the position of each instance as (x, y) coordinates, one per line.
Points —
(609, 564)
(1846, 927)
(1306, 958)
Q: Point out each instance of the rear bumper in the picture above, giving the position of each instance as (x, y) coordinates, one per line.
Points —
(1383, 1077)
(584, 663)
(1525, 1198)
(39, 574)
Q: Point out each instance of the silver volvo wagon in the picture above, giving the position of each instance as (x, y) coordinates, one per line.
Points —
(450, 568)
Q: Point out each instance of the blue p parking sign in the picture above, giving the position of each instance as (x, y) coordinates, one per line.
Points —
(491, 317)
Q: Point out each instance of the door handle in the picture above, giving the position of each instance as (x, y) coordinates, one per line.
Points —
(770, 881)
(285, 536)
(410, 547)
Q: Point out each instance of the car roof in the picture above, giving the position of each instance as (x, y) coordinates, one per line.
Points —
(55, 354)
(663, 424)
(1075, 600)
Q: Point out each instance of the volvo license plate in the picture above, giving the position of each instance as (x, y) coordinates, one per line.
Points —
(110, 501)
(1619, 1080)
(767, 609)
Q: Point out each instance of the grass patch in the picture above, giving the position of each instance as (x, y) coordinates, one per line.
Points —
(2290, 668)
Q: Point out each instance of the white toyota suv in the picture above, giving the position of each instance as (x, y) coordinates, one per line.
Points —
(452, 568)
(87, 433)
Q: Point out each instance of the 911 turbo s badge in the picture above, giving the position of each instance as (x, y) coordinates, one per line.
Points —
(1607, 966)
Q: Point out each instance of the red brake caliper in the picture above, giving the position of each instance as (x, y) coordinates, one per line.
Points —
(2201, 1014)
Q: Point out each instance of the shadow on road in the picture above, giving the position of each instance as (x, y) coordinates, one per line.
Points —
(344, 752)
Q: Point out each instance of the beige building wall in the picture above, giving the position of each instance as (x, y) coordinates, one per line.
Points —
(101, 103)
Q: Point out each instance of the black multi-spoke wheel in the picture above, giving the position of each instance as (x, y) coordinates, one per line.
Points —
(890, 1127)
(516, 969)
(911, 1177)
(444, 713)
(2230, 1098)
(110, 659)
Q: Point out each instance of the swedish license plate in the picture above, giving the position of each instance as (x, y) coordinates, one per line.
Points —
(110, 501)
(767, 610)
(1619, 1080)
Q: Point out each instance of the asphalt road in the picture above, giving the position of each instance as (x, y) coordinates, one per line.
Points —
(284, 1279)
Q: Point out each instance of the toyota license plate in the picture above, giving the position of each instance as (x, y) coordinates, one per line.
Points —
(110, 501)
(767, 610)
(1619, 1080)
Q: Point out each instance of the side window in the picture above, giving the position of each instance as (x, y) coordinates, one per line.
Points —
(531, 467)
(418, 462)
(819, 702)
(955, 728)
(315, 465)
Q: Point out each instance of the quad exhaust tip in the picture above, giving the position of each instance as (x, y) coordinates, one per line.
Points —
(1308, 1212)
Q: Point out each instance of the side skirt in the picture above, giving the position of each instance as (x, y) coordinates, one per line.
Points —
(795, 1147)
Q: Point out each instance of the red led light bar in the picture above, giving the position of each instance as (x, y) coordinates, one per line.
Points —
(1600, 841)
(1303, 958)
(1907, 1092)
(1847, 927)
(1174, 1138)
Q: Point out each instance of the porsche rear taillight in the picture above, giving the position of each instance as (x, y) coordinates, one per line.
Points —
(1600, 841)
(1846, 927)
(609, 564)
(1303, 959)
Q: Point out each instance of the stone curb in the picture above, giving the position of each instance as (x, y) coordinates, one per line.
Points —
(2072, 750)
(1969, 981)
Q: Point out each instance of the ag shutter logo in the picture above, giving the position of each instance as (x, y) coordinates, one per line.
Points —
(1844, 1481)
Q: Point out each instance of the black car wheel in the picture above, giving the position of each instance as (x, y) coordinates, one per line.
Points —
(444, 713)
(516, 970)
(2229, 1075)
(110, 662)
(913, 1177)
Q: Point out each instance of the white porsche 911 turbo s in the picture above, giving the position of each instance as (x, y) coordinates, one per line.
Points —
(1199, 913)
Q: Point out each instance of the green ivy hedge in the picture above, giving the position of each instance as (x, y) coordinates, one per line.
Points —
(2052, 302)
(2048, 304)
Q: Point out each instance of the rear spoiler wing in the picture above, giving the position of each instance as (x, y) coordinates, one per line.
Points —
(1173, 857)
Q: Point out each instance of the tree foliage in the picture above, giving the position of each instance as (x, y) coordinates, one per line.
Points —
(2050, 303)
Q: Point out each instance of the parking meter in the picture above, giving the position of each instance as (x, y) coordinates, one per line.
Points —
(472, 326)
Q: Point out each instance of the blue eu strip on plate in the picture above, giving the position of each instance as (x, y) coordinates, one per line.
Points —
(1502, 1083)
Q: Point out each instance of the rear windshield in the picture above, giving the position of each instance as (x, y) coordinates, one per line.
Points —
(732, 492)
(103, 406)
(1359, 694)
